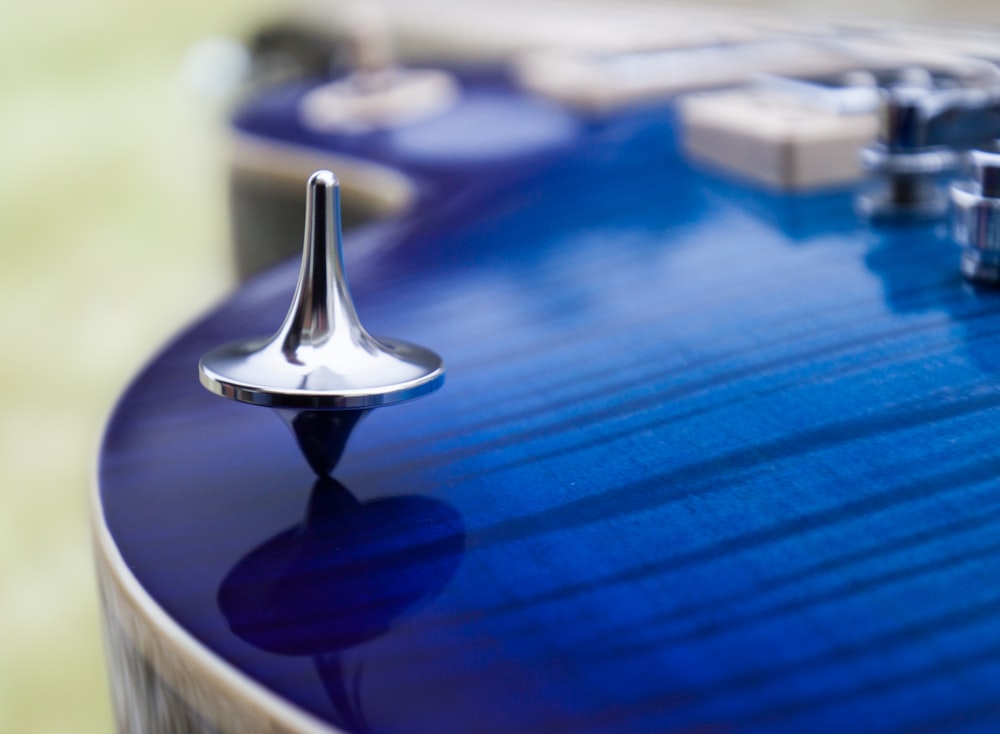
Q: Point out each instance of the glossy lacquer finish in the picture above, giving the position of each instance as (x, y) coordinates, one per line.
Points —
(708, 459)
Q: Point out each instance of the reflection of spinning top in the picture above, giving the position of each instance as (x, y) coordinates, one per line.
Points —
(341, 578)
(321, 370)
(345, 574)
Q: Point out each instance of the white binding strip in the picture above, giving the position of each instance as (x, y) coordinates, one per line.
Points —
(385, 189)
(248, 706)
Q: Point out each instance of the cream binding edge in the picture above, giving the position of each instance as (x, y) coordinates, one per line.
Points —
(216, 691)
(380, 188)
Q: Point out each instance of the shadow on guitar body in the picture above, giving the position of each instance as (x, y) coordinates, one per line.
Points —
(341, 578)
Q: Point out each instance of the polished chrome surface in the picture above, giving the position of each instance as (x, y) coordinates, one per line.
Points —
(986, 164)
(976, 218)
(906, 165)
(924, 124)
(321, 359)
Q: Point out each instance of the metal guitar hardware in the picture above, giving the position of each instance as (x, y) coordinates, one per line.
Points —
(976, 218)
(923, 129)
(321, 371)
(375, 94)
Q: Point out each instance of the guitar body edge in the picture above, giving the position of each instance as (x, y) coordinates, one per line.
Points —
(162, 680)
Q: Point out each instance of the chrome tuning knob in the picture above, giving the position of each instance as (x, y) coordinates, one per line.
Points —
(906, 161)
(976, 218)
(321, 371)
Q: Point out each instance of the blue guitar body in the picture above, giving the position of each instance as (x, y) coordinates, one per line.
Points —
(708, 459)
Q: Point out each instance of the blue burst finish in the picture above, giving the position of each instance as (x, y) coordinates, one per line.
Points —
(708, 459)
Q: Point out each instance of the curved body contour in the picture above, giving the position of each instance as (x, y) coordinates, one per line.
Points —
(709, 459)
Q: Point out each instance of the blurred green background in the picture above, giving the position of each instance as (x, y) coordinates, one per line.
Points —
(113, 229)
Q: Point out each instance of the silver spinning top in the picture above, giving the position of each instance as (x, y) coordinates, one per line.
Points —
(321, 371)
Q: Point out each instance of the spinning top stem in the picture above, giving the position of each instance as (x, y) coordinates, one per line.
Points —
(321, 370)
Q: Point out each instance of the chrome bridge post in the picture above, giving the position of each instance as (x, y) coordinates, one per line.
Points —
(924, 129)
(976, 218)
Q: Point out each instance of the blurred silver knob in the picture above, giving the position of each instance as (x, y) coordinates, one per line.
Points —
(976, 218)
